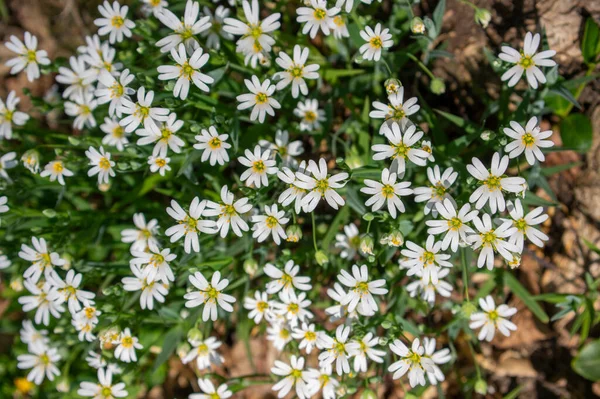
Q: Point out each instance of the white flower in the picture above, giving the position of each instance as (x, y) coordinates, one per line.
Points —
(32, 337)
(84, 327)
(293, 308)
(411, 361)
(189, 224)
(3, 207)
(115, 134)
(101, 60)
(492, 318)
(453, 223)
(95, 360)
(41, 258)
(388, 191)
(336, 350)
(259, 306)
(155, 262)
(523, 225)
(363, 348)
(142, 235)
(255, 36)
(142, 111)
(186, 71)
(154, 6)
(210, 392)
(81, 108)
(528, 140)
(42, 362)
(217, 28)
(56, 170)
(428, 289)
(295, 71)
(527, 61)
(104, 388)
(438, 357)
(9, 115)
(316, 17)
(159, 164)
(113, 90)
(493, 182)
(320, 185)
(280, 334)
(286, 280)
(270, 224)
(28, 56)
(292, 193)
(437, 191)
(491, 240)
(115, 22)
(259, 167)
(205, 353)
(229, 213)
(338, 311)
(152, 289)
(323, 381)
(311, 115)
(165, 136)
(293, 376)
(101, 164)
(361, 290)
(44, 299)
(340, 30)
(214, 145)
(309, 338)
(425, 261)
(185, 29)
(260, 99)
(401, 147)
(397, 110)
(209, 294)
(287, 150)
(7, 161)
(127, 344)
(31, 161)
(377, 40)
(69, 289)
(79, 78)
(349, 241)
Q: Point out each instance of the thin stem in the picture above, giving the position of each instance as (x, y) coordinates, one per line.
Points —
(314, 229)
(387, 67)
(369, 226)
(467, 2)
(421, 65)
(465, 275)
(474, 360)
(412, 14)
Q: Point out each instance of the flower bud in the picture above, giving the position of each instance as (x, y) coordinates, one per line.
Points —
(481, 387)
(368, 394)
(366, 245)
(487, 135)
(417, 26)
(250, 267)
(104, 187)
(321, 258)
(515, 263)
(483, 17)
(63, 385)
(468, 308)
(392, 86)
(194, 335)
(16, 284)
(437, 86)
(394, 239)
(294, 233)
(183, 349)
(31, 160)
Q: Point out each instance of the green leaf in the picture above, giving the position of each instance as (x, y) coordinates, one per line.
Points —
(438, 15)
(341, 216)
(333, 75)
(587, 362)
(170, 343)
(576, 132)
(552, 170)
(590, 43)
(525, 296)
(566, 94)
(591, 246)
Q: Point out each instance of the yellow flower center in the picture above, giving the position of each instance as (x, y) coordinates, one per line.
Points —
(362, 288)
(214, 143)
(493, 315)
(493, 183)
(488, 238)
(387, 191)
(293, 308)
(526, 61)
(186, 33)
(414, 357)
(261, 98)
(116, 90)
(521, 225)
(255, 31)
(296, 374)
(396, 113)
(187, 70)
(160, 162)
(320, 14)
(310, 116)
(23, 385)
(127, 342)
(428, 258)
(118, 132)
(117, 21)
(296, 71)
(455, 223)
(104, 163)
(58, 167)
(214, 396)
(322, 186)
(271, 222)
(287, 280)
(400, 150)
(259, 167)
(528, 140)
(202, 349)
(106, 392)
(84, 110)
(165, 133)
(339, 347)
(376, 42)
(310, 336)
(157, 259)
(212, 293)
(90, 312)
(31, 56)
(44, 359)
(338, 21)
(190, 223)
(262, 306)
(141, 112)
(284, 333)
(8, 115)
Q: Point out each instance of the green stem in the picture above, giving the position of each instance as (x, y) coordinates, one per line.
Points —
(474, 360)
(314, 230)
(387, 67)
(412, 14)
(465, 275)
(467, 2)
(421, 65)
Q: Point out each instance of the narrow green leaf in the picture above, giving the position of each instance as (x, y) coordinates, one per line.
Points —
(576, 132)
(170, 344)
(526, 297)
(590, 43)
(587, 362)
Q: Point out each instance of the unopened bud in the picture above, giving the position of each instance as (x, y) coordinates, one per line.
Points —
(437, 86)
(515, 262)
(321, 258)
(487, 135)
(481, 387)
(366, 245)
(392, 86)
(250, 267)
(468, 308)
(394, 239)
(483, 17)
(294, 233)
(417, 26)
